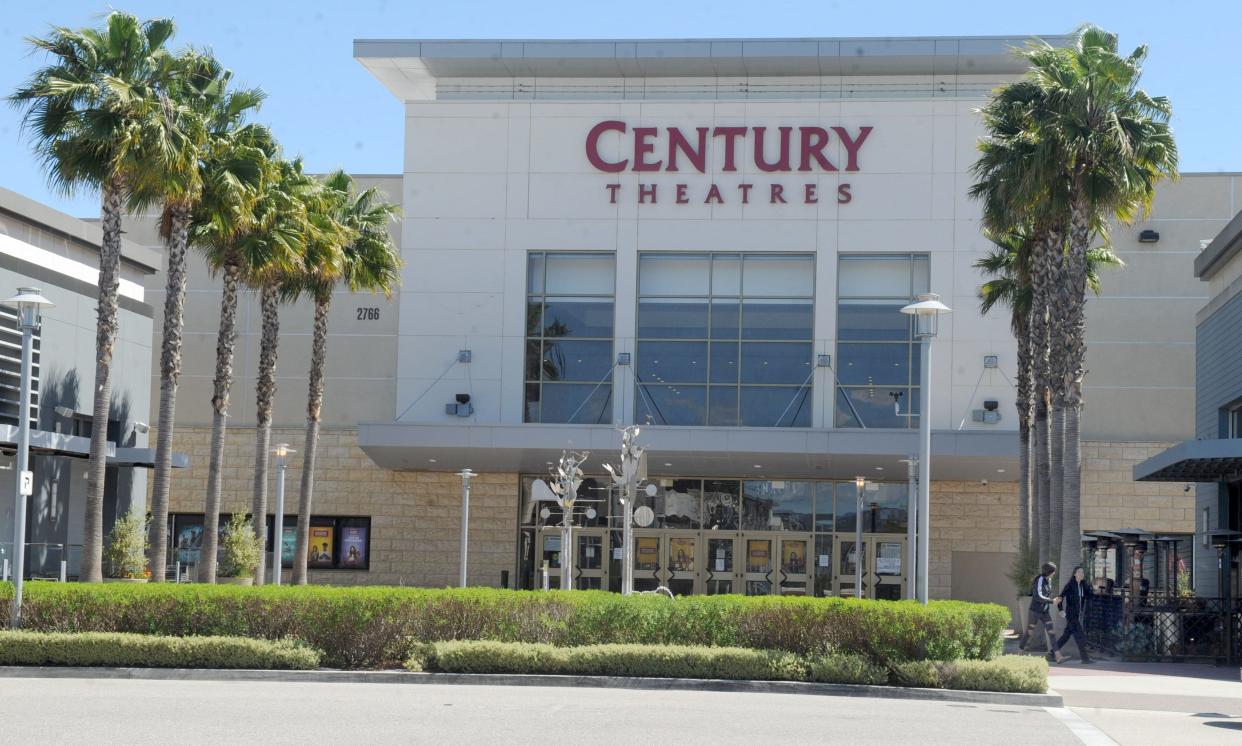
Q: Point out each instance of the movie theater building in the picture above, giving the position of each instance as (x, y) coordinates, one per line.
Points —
(711, 240)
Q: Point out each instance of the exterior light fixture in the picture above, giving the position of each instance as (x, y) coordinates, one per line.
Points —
(29, 302)
(281, 451)
(926, 312)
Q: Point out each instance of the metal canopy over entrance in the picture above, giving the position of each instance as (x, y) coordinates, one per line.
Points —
(1194, 461)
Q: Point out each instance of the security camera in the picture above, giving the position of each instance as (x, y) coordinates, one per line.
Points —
(983, 482)
(142, 427)
(1186, 488)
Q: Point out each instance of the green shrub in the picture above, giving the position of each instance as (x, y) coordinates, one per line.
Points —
(151, 651)
(844, 668)
(370, 627)
(668, 661)
(915, 673)
(240, 550)
(1008, 673)
(125, 554)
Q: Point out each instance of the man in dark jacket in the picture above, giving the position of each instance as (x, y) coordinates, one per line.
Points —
(1041, 601)
(1074, 597)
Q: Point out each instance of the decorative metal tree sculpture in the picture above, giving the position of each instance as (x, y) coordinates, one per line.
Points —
(633, 470)
(568, 477)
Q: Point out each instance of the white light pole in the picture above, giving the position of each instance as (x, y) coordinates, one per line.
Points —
(281, 451)
(465, 475)
(29, 303)
(860, 485)
(926, 312)
(633, 470)
(912, 512)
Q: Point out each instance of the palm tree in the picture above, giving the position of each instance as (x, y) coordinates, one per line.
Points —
(99, 120)
(1117, 145)
(288, 191)
(364, 259)
(230, 228)
(219, 113)
(1009, 267)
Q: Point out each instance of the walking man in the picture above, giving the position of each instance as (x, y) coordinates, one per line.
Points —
(1041, 601)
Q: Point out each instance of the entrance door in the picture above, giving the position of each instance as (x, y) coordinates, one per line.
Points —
(776, 563)
(884, 566)
(548, 555)
(681, 563)
(758, 565)
(591, 567)
(648, 561)
(793, 572)
(719, 568)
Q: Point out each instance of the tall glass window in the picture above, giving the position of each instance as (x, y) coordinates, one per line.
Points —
(569, 319)
(725, 339)
(877, 357)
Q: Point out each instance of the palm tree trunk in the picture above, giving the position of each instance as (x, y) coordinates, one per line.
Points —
(1041, 459)
(1073, 367)
(105, 338)
(314, 402)
(265, 391)
(1056, 473)
(1024, 435)
(225, 342)
(170, 372)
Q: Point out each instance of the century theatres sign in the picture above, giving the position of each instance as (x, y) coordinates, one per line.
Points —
(787, 150)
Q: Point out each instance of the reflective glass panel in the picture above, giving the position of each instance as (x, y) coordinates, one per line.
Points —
(577, 317)
(727, 274)
(776, 406)
(582, 403)
(874, 277)
(872, 363)
(873, 404)
(724, 362)
(576, 361)
(726, 319)
(777, 319)
(661, 404)
(778, 275)
(672, 362)
(885, 507)
(574, 274)
(824, 492)
(722, 408)
(674, 274)
(876, 320)
(720, 504)
(776, 505)
(672, 318)
(776, 362)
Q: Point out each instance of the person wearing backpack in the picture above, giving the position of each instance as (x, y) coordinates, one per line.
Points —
(1041, 601)
(1073, 606)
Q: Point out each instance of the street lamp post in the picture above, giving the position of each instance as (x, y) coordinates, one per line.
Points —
(926, 312)
(860, 485)
(465, 475)
(28, 302)
(281, 451)
(912, 512)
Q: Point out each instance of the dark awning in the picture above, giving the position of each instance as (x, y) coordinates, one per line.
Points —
(1194, 461)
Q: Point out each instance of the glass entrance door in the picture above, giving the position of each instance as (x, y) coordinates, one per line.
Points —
(719, 568)
(681, 563)
(793, 572)
(591, 567)
(758, 566)
(648, 561)
(884, 566)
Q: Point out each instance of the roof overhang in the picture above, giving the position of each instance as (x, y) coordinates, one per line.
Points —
(44, 443)
(693, 451)
(410, 67)
(1223, 247)
(1193, 461)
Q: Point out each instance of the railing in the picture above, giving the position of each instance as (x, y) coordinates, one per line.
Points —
(44, 561)
(1158, 626)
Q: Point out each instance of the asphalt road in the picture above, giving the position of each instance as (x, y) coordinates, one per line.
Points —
(95, 711)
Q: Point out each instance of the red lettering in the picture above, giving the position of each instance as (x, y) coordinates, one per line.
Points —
(843, 195)
(782, 163)
(645, 191)
(642, 148)
(730, 134)
(852, 145)
(681, 198)
(612, 192)
(809, 197)
(777, 191)
(592, 146)
(814, 139)
(714, 192)
(678, 141)
(745, 192)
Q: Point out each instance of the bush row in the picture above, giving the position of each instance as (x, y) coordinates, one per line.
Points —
(1004, 674)
(370, 627)
(151, 651)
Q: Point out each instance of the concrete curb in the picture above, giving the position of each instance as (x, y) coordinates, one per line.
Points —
(330, 676)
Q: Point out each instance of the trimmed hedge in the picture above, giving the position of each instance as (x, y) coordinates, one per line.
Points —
(151, 651)
(371, 627)
(1006, 674)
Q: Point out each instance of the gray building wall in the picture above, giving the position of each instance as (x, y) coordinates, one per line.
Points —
(67, 376)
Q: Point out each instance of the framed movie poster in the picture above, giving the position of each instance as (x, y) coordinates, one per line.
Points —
(288, 545)
(353, 547)
(187, 538)
(319, 553)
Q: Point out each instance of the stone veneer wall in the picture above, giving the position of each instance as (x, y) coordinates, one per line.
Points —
(415, 516)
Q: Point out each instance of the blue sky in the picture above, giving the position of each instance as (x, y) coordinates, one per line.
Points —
(325, 106)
